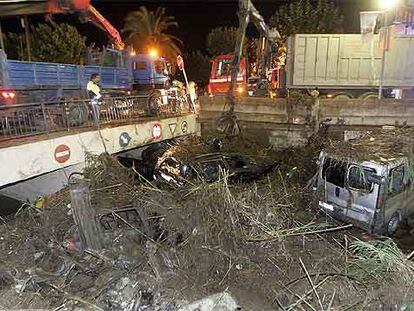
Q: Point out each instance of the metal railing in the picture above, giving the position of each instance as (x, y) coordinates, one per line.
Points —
(18, 121)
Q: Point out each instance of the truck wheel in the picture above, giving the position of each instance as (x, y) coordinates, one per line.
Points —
(369, 95)
(154, 105)
(393, 224)
(76, 114)
(342, 96)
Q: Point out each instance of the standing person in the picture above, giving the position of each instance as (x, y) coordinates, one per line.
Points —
(94, 93)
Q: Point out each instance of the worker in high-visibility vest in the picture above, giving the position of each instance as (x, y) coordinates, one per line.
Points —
(94, 93)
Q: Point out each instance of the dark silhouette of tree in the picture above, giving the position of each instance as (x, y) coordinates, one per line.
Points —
(305, 16)
(58, 43)
(197, 67)
(222, 40)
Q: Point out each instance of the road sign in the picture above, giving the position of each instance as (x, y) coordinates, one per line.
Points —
(184, 127)
(172, 127)
(62, 153)
(124, 139)
(156, 131)
(180, 62)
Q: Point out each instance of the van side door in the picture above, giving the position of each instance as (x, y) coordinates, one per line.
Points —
(400, 196)
(363, 195)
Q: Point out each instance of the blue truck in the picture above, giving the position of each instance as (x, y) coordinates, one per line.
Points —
(28, 82)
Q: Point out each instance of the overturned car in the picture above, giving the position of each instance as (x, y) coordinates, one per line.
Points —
(168, 163)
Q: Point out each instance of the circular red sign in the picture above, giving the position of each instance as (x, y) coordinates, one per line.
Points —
(180, 62)
(62, 153)
(156, 131)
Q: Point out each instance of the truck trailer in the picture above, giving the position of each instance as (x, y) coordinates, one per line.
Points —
(27, 82)
(348, 65)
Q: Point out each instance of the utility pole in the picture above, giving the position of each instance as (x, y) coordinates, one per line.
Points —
(25, 24)
(384, 53)
(1, 39)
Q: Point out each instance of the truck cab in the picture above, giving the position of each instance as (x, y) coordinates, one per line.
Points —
(220, 76)
(148, 72)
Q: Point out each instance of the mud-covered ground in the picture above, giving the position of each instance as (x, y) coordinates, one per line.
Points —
(259, 240)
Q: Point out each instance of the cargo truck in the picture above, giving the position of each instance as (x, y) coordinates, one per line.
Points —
(347, 66)
(338, 65)
(27, 82)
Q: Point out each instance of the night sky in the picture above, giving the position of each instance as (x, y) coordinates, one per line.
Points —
(195, 17)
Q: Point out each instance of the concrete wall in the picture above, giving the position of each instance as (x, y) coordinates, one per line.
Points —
(370, 112)
(29, 160)
(289, 121)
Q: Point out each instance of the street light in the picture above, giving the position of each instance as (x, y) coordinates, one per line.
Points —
(153, 53)
(385, 5)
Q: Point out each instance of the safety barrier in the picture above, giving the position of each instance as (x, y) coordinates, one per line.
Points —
(43, 118)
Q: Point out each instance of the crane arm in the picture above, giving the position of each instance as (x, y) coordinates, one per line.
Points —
(104, 24)
(247, 12)
(50, 7)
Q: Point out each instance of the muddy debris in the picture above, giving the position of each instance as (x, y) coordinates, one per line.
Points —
(254, 245)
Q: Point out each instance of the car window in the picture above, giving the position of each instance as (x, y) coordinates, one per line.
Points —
(224, 67)
(334, 172)
(398, 179)
(359, 178)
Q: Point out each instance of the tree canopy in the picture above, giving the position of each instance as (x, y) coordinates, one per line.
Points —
(197, 67)
(59, 43)
(147, 29)
(222, 40)
(306, 16)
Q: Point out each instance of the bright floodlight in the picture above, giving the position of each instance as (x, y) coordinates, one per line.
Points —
(388, 4)
(153, 53)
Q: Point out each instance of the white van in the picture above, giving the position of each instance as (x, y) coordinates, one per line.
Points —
(375, 196)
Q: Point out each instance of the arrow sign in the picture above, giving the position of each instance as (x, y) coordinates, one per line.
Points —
(184, 127)
(124, 139)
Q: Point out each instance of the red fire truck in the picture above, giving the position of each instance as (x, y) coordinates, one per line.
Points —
(220, 76)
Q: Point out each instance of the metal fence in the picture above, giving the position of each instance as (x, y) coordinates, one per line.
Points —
(42, 118)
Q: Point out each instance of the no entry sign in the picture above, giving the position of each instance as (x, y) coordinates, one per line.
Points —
(180, 62)
(62, 153)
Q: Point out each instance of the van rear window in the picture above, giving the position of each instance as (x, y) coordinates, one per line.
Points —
(360, 178)
(334, 172)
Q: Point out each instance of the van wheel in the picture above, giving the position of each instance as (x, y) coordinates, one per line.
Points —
(393, 224)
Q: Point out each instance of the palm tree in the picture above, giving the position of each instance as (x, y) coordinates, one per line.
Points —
(146, 29)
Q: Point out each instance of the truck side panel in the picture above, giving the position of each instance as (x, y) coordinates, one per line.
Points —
(35, 75)
(347, 61)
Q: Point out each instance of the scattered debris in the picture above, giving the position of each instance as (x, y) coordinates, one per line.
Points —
(222, 301)
(164, 247)
(381, 145)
